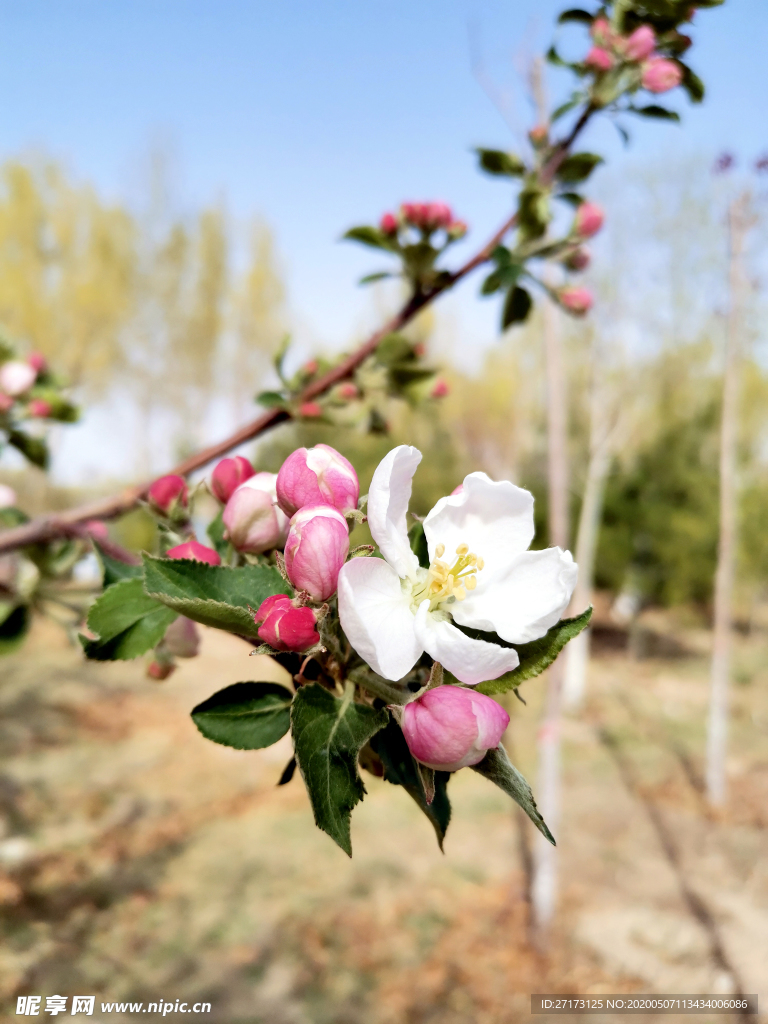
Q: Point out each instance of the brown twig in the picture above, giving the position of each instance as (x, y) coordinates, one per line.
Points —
(62, 524)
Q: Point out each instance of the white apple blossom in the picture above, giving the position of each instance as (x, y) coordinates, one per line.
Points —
(481, 575)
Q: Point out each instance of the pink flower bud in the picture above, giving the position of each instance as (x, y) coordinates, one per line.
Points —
(310, 410)
(7, 496)
(228, 475)
(640, 44)
(576, 300)
(6, 402)
(452, 727)
(39, 408)
(439, 215)
(661, 75)
(601, 32)
(160, 670)
(253, 520)
(317, 476)
(310, 368)
(599, 59)
(286, 627)
(348, 391)
(388, 224)
(194, 551)
(97, 530)
(441, 389)
(578, 259)
(316, 549)
(168, 494)
(589, 220)
(538, 135)
(182, 638)
(16, 377)
(37, 361)
(457, 229)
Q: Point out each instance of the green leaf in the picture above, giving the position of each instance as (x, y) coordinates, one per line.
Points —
(372, 278)
(418, 542)
(534, 656)
(127, 621)
(400, 769)
(394, 348)
(370, 236)
(214, 595)
(654, 110)
(517, 306)
(578, 167)
(10, 517)
(575, 14)
(271, 399)
(327, 736)
(564, 109)
(573, 198)
(554, 58)
(692, 84)
(34, 449)
(533, 211)
(14, 628)
(497, 767)
(279, 357)
(246, 716)
(496, 161)
(113, 570)
(215, 533)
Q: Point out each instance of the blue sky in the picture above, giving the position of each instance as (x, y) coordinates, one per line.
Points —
(317, 115)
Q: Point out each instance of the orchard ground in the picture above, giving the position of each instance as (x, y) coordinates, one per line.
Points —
(140, 861)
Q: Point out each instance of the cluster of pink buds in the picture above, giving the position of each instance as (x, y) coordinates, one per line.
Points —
(451, 727)
(253, 519)
(194, 552)
(228, 475)
(286, 625)
(169, 496)
(659, 74)
(426, 217)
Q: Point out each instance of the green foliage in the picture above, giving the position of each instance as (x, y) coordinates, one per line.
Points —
(214, 595)
(497, 162)
(401, 770)
(14, 626)
(655, 111)
(34, 449)
(127, 622)
(692, 84)
(517, 306)
(577, 167)
(418, 542)
(576, 14)
(114, 570)
(215, 533)
(535, 656)
(369, 236)
(327, 736)
(497, 767)
(246, 716)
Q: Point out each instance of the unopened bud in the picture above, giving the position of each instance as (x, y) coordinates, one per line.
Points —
(6, 402)
(441, 389)
(196, 552)
(37, 361)
(601, 32)
(160, 670)
(182, 638)
(451, 727)
(578, 259)
(316, 548)
(599, 59)
(310, 368)
(348, 391)
(253, 520)
(576, 300)
(388, 224)
(317, 476)
(97, 530)
(7, 496)
(639, 45)
(661, 75)
(169, 495)
(457, 229)
(228, 475)
(539, 135)
(310, 410)
(589, 220)
(284, 626)
(16, 377)
(39, 408)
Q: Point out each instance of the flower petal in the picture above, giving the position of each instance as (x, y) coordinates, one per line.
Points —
(495, 518)
(525, 601)
(388, 498)
(376, 616)
(471, 661)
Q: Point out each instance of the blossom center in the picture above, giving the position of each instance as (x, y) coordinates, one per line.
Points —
(444, 582)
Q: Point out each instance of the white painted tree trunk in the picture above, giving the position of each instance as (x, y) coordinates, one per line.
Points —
(545, 882)
(717, 729)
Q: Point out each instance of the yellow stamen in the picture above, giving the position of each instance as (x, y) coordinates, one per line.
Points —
(471, 582)
(444, 582)
(480, 564)
(462, 549)
(439, 550)
(459, 593)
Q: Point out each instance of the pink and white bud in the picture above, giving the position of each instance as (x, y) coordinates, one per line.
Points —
(438, 215)
(6, 402)
(194, 551)
(441, 388)
(37, 361)
(310, 368)
(457, 229)
(317, 476)
(253, 520)
(228, 475)
(182, 638)
(169, 494)
(602, 33)
(539, 135)
(348, 391)
(578, 259)
(7, 496)
(640, 44)
(661, 75)
(589, 220)
(599, 59)
(316, 549)
(16, 377)
(451, 727)
(576, 300)
(389, 224)
(284, 626)
(97, 530)
(39, 408)
(160, 670)
(310, 410)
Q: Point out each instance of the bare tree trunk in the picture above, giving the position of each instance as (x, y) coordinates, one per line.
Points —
(717, 731)
(544, 887)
